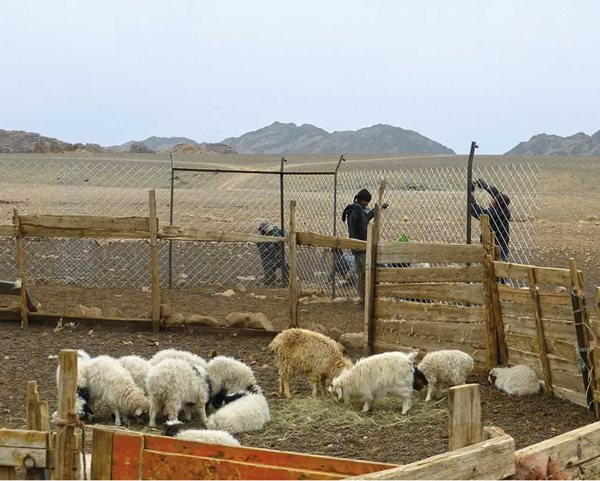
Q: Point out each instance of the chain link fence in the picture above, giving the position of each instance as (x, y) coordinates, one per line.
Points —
(427, 205)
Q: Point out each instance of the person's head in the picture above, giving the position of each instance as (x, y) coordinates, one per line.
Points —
(500, 201)
(264, 226)
(363, 197)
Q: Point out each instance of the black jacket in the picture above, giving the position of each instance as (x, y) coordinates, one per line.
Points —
(499, 219)
(358, 218)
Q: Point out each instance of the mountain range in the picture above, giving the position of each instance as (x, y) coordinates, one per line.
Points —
(579, 144)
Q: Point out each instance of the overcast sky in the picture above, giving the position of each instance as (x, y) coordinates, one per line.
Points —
(110, 71)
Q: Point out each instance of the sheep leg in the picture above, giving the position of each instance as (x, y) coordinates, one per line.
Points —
(152, 414)
(285, 386)
(367, 406)
(172, 410)
(187, 409)
(430, 390)
(406, 403)
(117, 417)
(200, 407)
(315, 388)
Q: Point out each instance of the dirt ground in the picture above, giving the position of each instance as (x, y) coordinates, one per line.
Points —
(301, 424)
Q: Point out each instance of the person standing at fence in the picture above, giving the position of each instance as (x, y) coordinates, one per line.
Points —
(271, 253)
(498, 212)
(358, 215)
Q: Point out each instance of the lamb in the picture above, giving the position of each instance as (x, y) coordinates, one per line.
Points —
(227, 375)
(138, 367)
(446, 367)
(519, 380)
(111, 383)
(303, 352)
(175, 384)
(379, 375)
(200, 435)
(177, 354)
(248, 413)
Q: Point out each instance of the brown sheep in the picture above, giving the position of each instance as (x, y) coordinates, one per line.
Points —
(302, 352)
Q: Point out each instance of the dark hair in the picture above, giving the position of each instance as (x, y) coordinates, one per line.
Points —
(419, 379)
(363, 194)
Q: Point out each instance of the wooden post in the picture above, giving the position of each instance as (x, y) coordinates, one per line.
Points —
(102, 453)
(541, 337)
(67, 453)
(465, 415)
(293, 270)
(489, 284)
(36, 413)
(21, 263)
(596, 353)
(154, 263)
(370, 266)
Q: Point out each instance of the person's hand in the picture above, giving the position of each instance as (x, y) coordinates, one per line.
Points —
(482, 184)
(473, 185)
(385, 205)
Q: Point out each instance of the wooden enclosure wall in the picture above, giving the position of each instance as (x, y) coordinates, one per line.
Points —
(430, 308)
(539, 325)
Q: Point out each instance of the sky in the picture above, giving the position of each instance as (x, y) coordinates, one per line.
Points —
(494, 71)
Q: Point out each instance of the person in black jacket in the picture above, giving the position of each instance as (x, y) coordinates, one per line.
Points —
(271, 253)
(498, 212)
(358, 215)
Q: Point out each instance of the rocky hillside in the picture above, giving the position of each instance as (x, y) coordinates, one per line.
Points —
(579, 144)
(13, 141)
(280, 138)
(165, 144)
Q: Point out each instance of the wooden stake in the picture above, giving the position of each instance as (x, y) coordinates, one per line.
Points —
(67, 453)
(541, 337)
(465, 415)
(36, 413)
(596, 353)
(21, 262)
(370, 267)
(154, 263)
(293, 269)
(102, 451)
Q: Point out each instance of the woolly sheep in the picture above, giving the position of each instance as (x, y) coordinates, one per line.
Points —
(138, 367)
(520, 380)
(248, 413)
(200, 435)
(377, 376)
(302, 352)
(446, 367)
(111, 383)
(175, 384)
(227, 375)
(177, 354)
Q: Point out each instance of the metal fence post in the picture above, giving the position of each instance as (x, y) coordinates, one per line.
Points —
(282, 219)
(171, 221)
(469, 183)
(335, 251)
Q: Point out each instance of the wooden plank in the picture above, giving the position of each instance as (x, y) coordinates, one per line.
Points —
(45, 317)
(36, 416)
(153, 221)
(170, 232)
(92, 222)
(561, 349)
(571, 396)
(558, 313)
(555, 330)
(21, 438)
(488, 286)
(34, 231)
(387, 309)
(544, 275)
(8, 472)
(21, 263)
(465, 416)
(496, 310)
(340, 466)
(430, 274)
(467, 332)
(16, 457)
(460, 293)
(67, 454)
(293, 269)
(8, 231)
(491, 459)
(102, 449)
(491, 432)
(397, 252)
(540, 335)
(127, 455)
(334, 242)
(370, 302)
(521, 295)
(568, 449)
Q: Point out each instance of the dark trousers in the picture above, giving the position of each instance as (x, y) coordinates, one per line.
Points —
(360, 259)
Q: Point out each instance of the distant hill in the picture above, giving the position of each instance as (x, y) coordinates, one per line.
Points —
(280, 138)
(15, 141)
(165, 144)
(579, 144)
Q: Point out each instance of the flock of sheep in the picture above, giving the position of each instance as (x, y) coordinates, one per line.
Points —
(228, 400)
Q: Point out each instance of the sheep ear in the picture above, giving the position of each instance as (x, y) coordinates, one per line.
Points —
(413, 355)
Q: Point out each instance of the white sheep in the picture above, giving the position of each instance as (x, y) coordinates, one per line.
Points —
(111, 384)
(519, 380)
(175, 384)
(374, 377)
(248, 413)
(445, 368)
(200, 435)
(228, 375)
(302, 352)
(177, 354)
(138, 367)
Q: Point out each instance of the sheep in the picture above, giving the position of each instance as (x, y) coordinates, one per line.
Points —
(248, 413)
(227, 375)
(211, 436)
(138, 367)
(177, 354)
(175, 384)
(379, 375)
(519, 380)
(303, 352)
(446, 367)
(111, 383)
